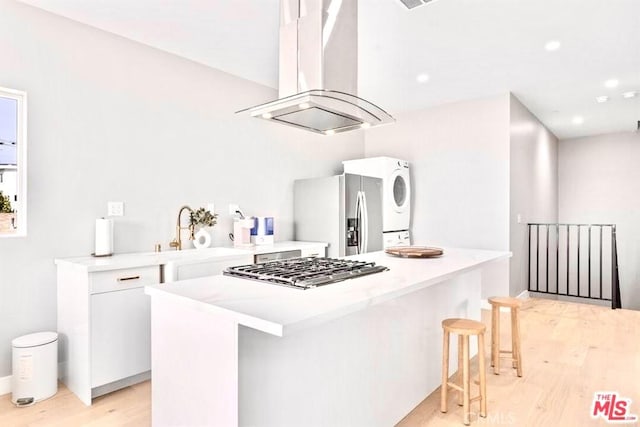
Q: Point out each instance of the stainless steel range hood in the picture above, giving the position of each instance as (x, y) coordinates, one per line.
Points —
(319, 70)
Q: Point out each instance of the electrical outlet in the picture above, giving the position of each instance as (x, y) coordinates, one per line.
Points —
(233, 208)
(211, 207)
(115, 208)
(519, 218)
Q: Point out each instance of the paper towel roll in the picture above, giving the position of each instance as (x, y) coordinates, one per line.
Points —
(202, 239)
(104, 237)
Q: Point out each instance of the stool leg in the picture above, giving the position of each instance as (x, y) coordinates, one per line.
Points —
(445, 372)
(483, 378)
(514, 348)
(460, 364)
(496, 342)
(493, 335)
(515, 334)
(465, 379)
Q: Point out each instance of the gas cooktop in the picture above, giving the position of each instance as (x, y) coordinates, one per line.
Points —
(305, 273)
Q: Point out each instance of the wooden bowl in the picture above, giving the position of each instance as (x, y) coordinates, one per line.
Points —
(414, 251)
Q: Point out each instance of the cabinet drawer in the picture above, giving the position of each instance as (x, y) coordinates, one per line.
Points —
(318, 251)
(127, 278)
(273, 256)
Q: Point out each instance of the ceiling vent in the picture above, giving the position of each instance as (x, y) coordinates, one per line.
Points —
(319, 70)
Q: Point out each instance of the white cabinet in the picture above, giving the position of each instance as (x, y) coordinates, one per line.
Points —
(105, 328)
(120, 335)
(192, 268)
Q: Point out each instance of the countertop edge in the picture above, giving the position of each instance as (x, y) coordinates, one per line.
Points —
(240, 318)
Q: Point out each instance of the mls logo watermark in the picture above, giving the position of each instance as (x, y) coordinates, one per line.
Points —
(612, 407)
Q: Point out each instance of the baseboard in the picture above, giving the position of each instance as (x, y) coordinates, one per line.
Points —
(484, 304)
(567, 298)
(5, 385)
(5, 382)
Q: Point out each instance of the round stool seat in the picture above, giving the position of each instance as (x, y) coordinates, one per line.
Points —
(463, 326)
(505, 301)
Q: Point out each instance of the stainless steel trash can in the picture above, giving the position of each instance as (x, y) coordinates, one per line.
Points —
(35, 368)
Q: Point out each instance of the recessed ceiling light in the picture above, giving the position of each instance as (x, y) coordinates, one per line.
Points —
(422, 78)
(601, 99)
(577, 120)
(611, 83)
(267, 116)
(630, 94)
(552, 45)
(329, 132)
(304, 105)
(365, 125)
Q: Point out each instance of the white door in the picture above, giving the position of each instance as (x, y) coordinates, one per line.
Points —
(398, 197)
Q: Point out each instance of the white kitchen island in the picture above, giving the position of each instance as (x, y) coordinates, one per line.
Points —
(363, 352)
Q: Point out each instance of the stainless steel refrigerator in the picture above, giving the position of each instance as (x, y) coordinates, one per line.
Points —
(343, 210)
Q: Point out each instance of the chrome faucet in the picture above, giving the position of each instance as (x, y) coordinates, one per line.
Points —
(177, 242)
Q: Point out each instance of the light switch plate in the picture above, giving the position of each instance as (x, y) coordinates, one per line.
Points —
(211, 207)
(115, 208)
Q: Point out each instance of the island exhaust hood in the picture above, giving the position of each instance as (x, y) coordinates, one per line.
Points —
(319, 70)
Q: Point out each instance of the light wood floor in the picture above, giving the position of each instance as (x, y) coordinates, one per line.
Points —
(570, 351)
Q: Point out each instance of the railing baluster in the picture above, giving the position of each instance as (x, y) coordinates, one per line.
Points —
(557, 258)
(547, 263)
(601, 261)
(578, 269)
(589, 281)
(537, 257)
(529, 259)
(568, 244)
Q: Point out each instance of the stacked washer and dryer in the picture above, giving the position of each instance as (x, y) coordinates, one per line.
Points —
(396, 195)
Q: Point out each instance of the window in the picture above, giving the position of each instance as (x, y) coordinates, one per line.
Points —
(13, 163)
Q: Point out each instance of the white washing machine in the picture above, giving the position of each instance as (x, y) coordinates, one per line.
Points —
(396, 188)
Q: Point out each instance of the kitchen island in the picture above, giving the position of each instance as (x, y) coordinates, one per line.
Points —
(363, 352)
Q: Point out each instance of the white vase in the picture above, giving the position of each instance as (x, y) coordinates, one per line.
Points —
(202, 239)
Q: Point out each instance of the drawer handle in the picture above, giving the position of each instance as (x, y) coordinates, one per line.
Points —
(124, 279)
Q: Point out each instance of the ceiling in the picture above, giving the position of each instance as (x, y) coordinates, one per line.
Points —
(468, 48)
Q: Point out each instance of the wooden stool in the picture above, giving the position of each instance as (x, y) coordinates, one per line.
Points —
(515, 353)
(463, 328)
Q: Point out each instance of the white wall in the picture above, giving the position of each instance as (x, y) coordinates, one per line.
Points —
(599, 182)
(110, 119)
(459, 158)
(534, 185)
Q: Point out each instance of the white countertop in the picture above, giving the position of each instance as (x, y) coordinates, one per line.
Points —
(279, 310)
(144, 259)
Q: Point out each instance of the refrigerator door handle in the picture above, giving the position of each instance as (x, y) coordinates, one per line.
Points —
(365, 222)
(359, 221)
